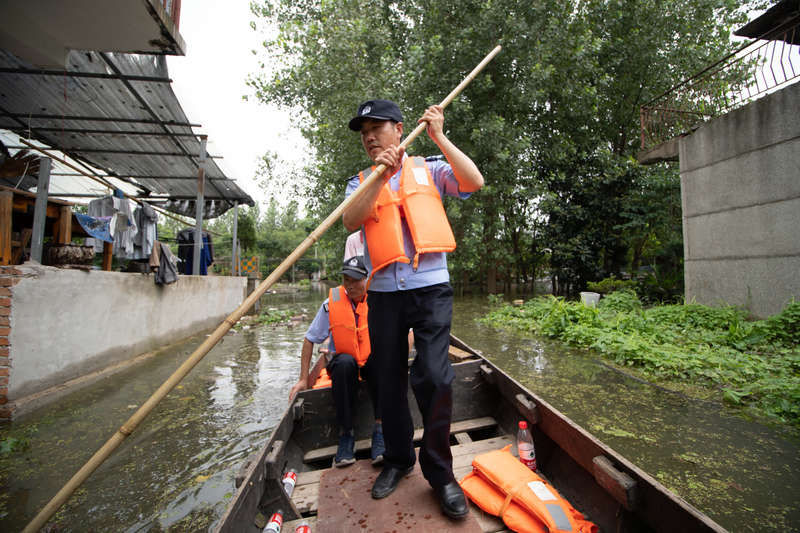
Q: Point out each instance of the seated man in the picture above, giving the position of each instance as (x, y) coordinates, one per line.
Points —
(343, 316)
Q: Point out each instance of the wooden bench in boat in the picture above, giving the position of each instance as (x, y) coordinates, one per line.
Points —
(460, 429)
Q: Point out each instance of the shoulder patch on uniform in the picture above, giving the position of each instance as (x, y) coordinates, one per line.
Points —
(325, 306)
(434, 158)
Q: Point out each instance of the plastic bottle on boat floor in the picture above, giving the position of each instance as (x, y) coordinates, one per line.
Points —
(275, 522)
(303, 528)
(525, 446)
(289, 481)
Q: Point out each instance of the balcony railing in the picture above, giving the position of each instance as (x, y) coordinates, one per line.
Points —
(757, 68)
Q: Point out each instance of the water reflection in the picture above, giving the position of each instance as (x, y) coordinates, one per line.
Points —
(224, 391)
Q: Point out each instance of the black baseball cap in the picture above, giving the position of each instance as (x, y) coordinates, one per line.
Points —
(354, 267)
(377, 109)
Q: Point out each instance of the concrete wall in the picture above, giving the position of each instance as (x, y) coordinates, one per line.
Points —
(64, 324)
(740, 182)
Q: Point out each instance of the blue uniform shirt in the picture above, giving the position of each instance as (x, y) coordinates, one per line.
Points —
(432, 268)
(319, 330)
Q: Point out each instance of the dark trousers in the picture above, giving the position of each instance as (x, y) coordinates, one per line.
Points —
(344, 373)
(428, 310)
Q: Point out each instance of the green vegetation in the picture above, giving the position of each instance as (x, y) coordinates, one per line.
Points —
(611, 284)
(552, 122)
(10, 445)
(274, 316)
(751, 364)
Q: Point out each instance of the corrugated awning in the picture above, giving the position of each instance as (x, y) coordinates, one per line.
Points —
(117, 113)
(774, 23)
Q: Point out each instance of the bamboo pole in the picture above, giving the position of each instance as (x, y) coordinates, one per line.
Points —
(130, 425)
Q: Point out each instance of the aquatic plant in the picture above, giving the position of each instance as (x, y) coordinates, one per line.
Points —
(750, 364)
(274, 316)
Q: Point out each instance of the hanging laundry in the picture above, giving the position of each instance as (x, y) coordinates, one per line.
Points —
(146, 221)
(162, 263)
(185, 240)
(97, 227)
(122, 225)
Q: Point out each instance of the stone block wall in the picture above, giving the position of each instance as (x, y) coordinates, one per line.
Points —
(740, 186)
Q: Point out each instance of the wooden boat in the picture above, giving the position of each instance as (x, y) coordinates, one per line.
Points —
(487, 406)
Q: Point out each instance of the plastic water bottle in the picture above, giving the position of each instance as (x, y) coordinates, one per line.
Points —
(303, 528)
(289, 481)
(527, 455)
(275, 522)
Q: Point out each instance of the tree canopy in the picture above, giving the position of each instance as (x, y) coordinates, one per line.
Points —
(552, 122)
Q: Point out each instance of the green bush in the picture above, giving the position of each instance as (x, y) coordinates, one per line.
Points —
(783, 327)
(624, 301)
(495, 300)
(609, 285)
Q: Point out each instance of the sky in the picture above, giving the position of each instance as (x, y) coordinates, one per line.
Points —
(210, 80)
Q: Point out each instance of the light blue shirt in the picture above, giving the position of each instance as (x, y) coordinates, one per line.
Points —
(432, 268)
(319, 330)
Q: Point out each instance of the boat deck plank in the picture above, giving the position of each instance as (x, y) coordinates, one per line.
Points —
(306, 492)
(364, 444)
(345, 504)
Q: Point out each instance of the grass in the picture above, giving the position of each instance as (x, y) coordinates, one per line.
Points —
(754, 365)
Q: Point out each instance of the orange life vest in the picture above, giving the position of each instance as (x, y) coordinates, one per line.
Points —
(323, 380)
(347, 337)
(502, 486)
(422, 207)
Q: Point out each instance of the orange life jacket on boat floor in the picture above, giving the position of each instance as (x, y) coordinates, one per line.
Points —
(323, 380)
(502, 486)
(422, 207)
(347, 337)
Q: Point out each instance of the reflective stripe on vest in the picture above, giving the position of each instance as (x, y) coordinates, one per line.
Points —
(501, 485)
(347, 337)
(424, 213)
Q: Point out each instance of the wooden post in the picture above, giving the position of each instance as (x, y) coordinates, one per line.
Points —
(6, 219)
(198, 208)
(234, 249)
(40, 210)
(63, 226)
(108, 248)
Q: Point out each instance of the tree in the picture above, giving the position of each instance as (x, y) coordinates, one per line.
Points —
(551, 122)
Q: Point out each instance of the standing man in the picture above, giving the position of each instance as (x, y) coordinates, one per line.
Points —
(343, 316)
(407, 235)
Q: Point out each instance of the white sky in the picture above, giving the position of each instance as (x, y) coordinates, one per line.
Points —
(209, 82)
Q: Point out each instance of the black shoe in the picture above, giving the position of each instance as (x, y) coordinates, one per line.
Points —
(452, 499)
(388, 479)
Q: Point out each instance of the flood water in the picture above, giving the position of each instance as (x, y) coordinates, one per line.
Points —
(176, 472)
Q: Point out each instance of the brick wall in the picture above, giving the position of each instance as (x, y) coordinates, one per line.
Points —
(9, 276)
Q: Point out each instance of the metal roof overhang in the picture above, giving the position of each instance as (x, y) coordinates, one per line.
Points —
(116, 112)
(43, 31)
